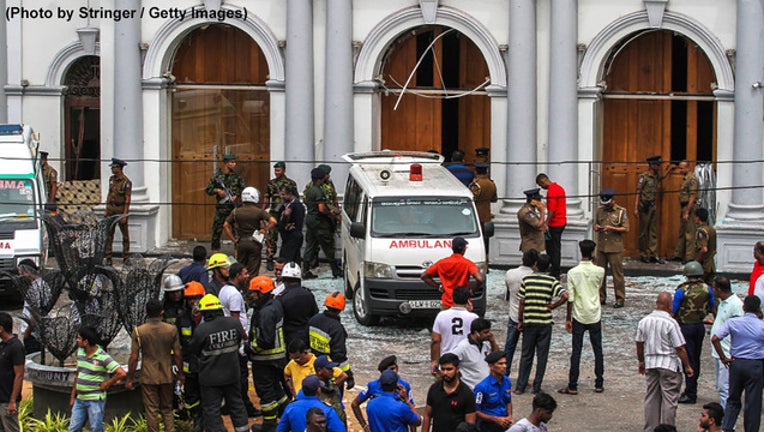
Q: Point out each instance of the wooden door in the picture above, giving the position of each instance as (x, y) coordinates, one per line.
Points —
(430, 116)
(658, 102)
(82, 120)
(216, 110)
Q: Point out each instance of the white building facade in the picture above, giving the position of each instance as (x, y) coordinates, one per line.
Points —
(583, 90)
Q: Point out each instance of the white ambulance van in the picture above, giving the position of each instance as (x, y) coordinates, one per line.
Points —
(22, 199)
(400, 212)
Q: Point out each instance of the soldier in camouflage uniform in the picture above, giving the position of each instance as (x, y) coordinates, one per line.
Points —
(646, 210)
(319, 223)
(688, 195)
(118, 202)
(50, 175)
(274, 201)
(330, 194)
(705, 245)
(693, 300)
(226, 186)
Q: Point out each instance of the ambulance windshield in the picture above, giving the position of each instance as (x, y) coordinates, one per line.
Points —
(16, 199)
(427, 217)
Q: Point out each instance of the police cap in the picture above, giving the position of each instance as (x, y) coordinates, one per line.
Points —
(43, 155)
(117, 163)
(606, 195)
(654, 159)
(531, 193)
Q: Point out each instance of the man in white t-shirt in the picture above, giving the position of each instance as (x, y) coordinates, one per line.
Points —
(543, 409)
(473, 350)
(451, 327)
(513, 280)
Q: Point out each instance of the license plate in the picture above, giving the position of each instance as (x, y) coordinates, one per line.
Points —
(424, 304)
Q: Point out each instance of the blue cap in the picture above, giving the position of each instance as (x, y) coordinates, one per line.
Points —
(458, 243)
(311, 383)
(388, 377)
(323, 362)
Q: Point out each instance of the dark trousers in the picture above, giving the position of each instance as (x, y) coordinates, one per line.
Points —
(318, 234)
(291, 242)
(693, 335)
(250, 254)
(536, 338)
(744, 374)
(192, 398)
(211, 400)
(269, 384)
(595, 337)
(511, 344)
(554, 249)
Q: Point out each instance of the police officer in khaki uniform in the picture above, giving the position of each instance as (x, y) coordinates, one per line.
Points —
(484, 190)
(705, 245)
(646, 210)
(51, 177)
(532, 217)
(610, 223)
(118, 202)
(274, 205)
(241, 226)
(688, 195)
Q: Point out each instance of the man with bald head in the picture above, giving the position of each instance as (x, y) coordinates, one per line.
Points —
(660, 349)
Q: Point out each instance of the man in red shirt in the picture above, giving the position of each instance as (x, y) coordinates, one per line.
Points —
(758, 265)
(453, 271)
(555, 220)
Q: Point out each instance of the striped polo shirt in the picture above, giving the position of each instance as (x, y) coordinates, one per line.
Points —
(661, 336)
(91, 372)
(538, 290)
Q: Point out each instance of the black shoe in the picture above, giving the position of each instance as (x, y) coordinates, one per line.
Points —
(657, 260)
(269, 264)
(645, 260)
(618, 305)
(686, 400)
(309, 275)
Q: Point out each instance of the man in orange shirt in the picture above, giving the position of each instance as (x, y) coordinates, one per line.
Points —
(453, 271)
(556, 211)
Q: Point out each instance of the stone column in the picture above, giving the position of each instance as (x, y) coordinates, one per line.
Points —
(521, 125)
(128, 128)
(3, 67)
(338, 99)
(299, 136)
(563, 120)
(743, 225)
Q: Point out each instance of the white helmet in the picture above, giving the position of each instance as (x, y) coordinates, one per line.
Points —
(250, 194)
(173, 283)
(291, 270)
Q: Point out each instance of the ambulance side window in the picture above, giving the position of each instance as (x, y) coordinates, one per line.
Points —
(352, 198)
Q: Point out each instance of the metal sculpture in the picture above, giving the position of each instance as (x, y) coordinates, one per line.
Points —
(95, 304)
(141, 281)
(58, 333)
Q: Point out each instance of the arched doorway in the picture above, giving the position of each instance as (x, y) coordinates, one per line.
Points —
(82, 120)
(658, 101)
(220, 105)
(445, 106)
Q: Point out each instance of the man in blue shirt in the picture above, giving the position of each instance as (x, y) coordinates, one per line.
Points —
(374, 389)
(493, 396)
(294, 417)
(196, 271)
(459, 170)
(388, 413)
(745, 364)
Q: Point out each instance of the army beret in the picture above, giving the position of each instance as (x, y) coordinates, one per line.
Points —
(326, 168)
(494, 357)
(387, 362)
(317, 173)
(117, 163)
(280, 164)
(229, 157)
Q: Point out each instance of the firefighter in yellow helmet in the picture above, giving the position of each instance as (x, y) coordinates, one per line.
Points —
(215, 343)
(328, 336)
(218, 265)
(267, 350)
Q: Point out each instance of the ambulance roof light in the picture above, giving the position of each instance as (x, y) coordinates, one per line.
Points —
(415, 172)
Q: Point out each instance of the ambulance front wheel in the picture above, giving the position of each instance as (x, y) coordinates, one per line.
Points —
(360, 309)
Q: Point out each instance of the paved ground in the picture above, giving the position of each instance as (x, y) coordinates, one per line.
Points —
(619, 408)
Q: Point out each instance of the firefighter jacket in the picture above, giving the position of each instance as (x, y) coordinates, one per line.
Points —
(266, 333)
(216, 344)
(328, 336)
